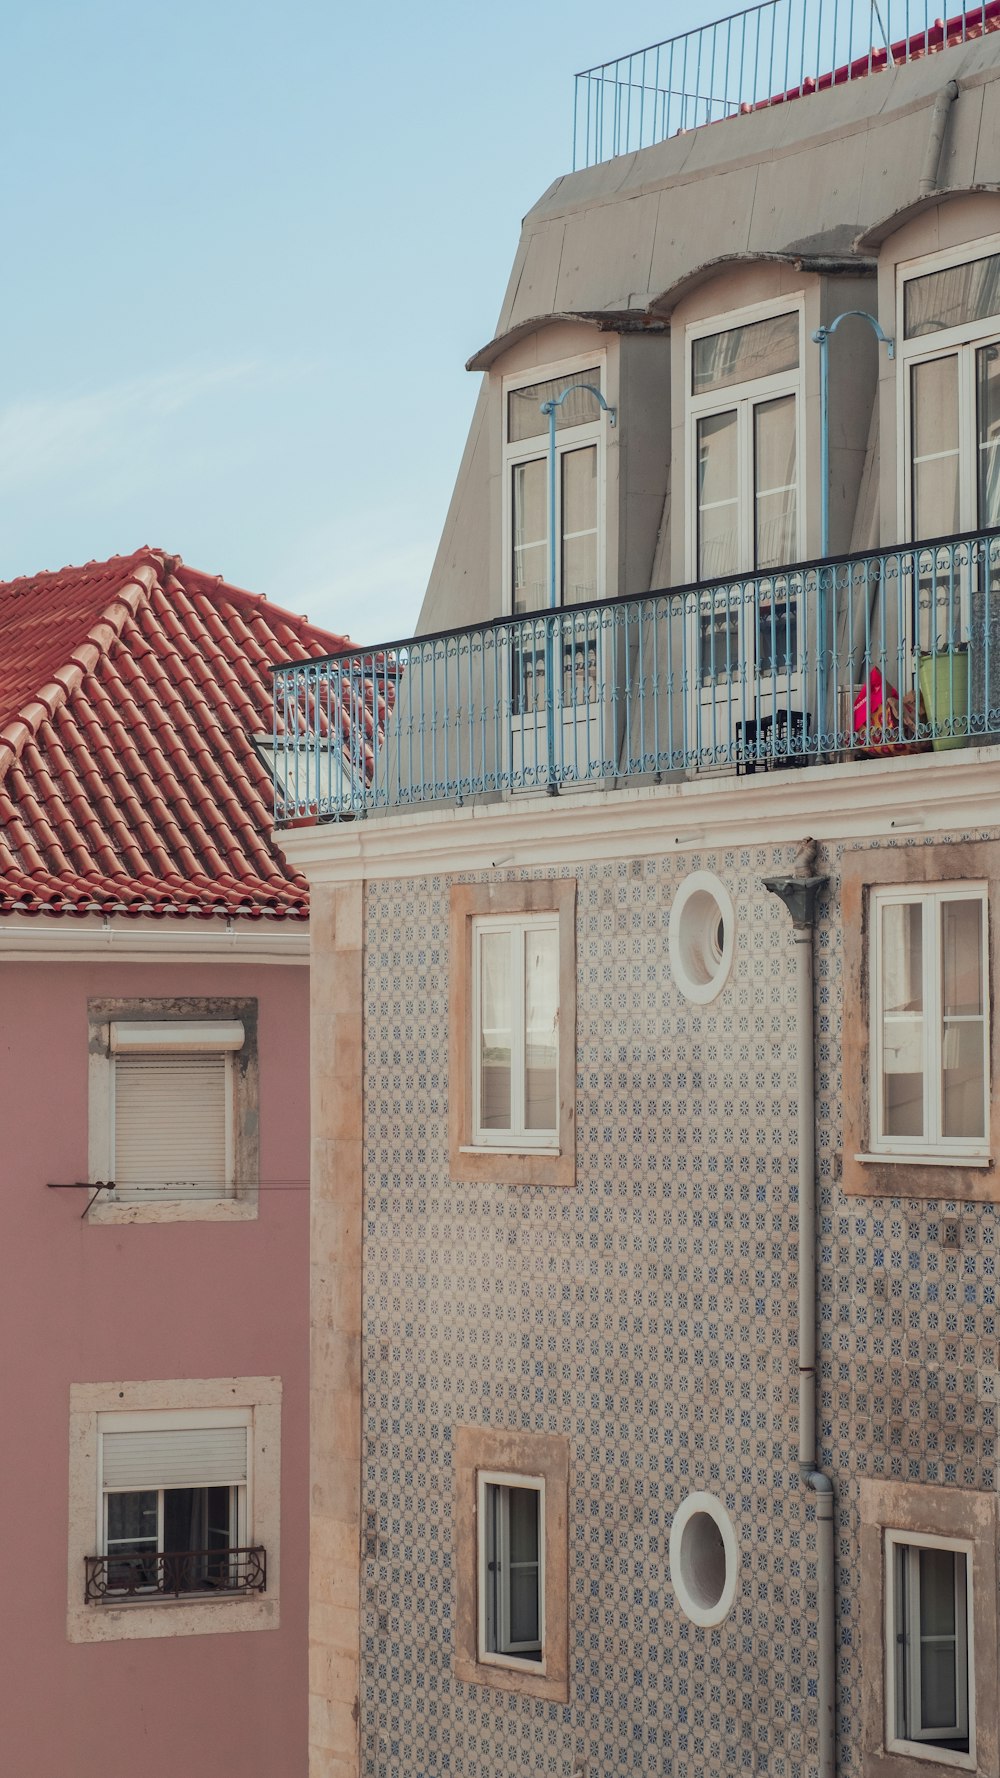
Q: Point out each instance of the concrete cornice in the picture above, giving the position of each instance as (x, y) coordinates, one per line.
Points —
(46, 940)
(859, 799)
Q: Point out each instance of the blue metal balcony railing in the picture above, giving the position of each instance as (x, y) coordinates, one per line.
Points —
(876, 654)
(766, 55)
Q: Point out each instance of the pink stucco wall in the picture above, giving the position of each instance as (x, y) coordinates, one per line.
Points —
(80, 1303)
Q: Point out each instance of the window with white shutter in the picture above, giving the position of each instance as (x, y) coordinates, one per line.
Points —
(174, 1507)
(173, 1108)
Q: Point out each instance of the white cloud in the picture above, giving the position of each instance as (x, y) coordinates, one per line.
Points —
(363, 577)
(44, 437)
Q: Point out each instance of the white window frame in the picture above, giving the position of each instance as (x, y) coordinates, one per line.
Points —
(251, 1401)
(128, 1029)
(486, 1479)
(940, 345)
(166, 1421)
(932, 1146)
(517, 1139)
(568, 439)
(744, 397)
(924, 1747)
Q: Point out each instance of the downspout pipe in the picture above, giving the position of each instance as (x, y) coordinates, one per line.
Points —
(799, 892)
(932, 154)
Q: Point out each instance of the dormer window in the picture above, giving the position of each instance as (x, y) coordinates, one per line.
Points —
(577, 503)
(950, 376)
(744, 443)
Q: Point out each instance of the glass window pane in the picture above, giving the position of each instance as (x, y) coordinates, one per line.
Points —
(951, 298)
(524, 416)
(720, 645)
(938, 1685)
(988, 430)
(541, 1001)
(529, 514)
(775, 479)
(934, 442)
(524, 1605)
(718, 491)
(937, 1592)
(761, 349)
(132, 1515)
(902, 1020)
(962, 957)
(963, 1097)
(579, 523)
(496, 1033)
(524, 1524)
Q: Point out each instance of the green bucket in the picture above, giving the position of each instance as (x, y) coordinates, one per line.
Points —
(944, 698)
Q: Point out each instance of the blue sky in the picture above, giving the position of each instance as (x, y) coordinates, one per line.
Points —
(249, 247)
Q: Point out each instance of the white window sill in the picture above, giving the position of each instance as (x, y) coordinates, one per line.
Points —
(928, 1750)
(928, 1160)
(112, 1210)
(510, 1148)
(512, 1663)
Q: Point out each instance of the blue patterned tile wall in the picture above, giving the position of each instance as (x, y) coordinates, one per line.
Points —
(648, 1315)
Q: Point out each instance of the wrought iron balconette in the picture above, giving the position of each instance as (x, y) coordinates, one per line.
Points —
(175, 1574)
(883, 653)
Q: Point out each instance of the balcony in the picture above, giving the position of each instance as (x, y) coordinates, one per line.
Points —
(172, 1574)
(888, 653)
(766, 55)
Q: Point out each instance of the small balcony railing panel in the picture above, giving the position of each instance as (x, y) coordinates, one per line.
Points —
(765, 55)
(888, 652)
(174, 1574)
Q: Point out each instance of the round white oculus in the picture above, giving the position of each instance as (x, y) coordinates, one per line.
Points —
(702, 935)
(704, 1559)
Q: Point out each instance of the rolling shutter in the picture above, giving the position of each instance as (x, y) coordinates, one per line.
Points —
(203, 1457)
(172, 1125)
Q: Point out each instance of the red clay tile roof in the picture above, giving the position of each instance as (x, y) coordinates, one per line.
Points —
(129, 691)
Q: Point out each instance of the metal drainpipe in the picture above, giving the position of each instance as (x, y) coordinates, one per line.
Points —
(932, 154)
(798, 892)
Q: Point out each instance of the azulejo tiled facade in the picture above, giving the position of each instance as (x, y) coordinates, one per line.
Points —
(648, 1314)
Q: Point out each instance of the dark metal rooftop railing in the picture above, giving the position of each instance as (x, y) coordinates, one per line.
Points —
(169, 1573)
(888, 652)
(765, 55)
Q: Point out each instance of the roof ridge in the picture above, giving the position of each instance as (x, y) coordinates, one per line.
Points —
(256, 602)
(42, 706)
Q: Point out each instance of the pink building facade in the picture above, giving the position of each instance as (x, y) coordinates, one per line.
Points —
(154, 990)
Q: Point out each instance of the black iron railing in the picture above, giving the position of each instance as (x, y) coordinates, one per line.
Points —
(171, 1573)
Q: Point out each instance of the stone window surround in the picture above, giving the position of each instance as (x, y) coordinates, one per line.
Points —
(954, 1513)
(100, 1163)
(170, 1617)
(884, 866)
(470, 901)
(533, 1454)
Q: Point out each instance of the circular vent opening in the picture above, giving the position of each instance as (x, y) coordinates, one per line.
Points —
(704, 1559)
(702, 932)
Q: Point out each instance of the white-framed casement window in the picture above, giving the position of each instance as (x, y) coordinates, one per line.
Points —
(173, 1109)
(174, 1507)
(929, 1037)
(515, 1031)
(930, 1671)
(511, 1530)
(949, 390)
(744, 445)
(745, 517)
(579, 484)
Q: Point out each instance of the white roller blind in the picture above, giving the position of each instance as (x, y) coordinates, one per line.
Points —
(171, 1125)
(204, 1457)
(156, 1035)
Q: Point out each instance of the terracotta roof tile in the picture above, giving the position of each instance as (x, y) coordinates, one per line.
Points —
(128, 783)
